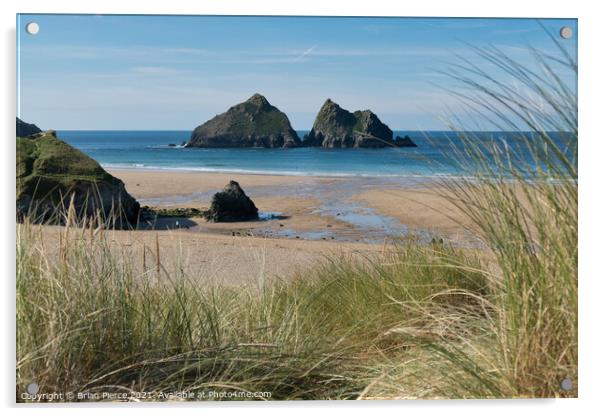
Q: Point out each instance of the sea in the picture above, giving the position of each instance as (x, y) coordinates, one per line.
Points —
(438, 153)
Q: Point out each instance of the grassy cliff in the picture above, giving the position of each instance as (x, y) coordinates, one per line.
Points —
(51, 173)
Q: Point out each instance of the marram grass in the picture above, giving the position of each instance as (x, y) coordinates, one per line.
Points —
(87, 322)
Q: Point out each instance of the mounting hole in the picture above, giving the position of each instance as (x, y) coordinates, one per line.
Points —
(566, 32)
(32, 28)
(32, 388)
(566, 384)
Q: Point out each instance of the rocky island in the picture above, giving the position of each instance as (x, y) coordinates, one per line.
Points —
(257, 123)
(404, 141)
(51, 174)
(336, 127)
(253, 123)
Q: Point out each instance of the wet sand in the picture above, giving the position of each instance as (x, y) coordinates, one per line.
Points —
(423, 208)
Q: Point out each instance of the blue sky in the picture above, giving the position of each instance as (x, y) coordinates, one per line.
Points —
(175, 72)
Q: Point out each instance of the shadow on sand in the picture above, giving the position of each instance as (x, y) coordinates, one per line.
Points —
(167, 223)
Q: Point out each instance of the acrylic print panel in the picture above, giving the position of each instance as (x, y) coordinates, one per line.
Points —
(295, 208)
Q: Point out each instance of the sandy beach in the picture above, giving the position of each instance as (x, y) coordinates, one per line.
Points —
(350, 209)
(318, 217)
(211, 258)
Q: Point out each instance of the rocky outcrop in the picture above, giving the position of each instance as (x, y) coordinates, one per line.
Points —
(404, 141)
(253, 123)
(51, 174)
(336, 127)
(25, 129)
(232, 204)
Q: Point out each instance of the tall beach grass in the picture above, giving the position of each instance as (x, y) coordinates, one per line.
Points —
(87, 322)
(523, 206)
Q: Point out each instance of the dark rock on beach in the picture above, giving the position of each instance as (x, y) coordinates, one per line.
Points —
(253, 123)
(336, 127)
(25, 129)
(232, 204)
(51, 174)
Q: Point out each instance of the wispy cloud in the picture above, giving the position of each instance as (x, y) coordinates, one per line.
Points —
(151, 55)
(305, 53)
(384, 52)
(155, 70)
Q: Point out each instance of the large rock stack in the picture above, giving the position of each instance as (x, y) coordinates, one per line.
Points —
(253, 123)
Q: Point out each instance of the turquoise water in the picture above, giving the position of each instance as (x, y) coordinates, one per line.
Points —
(151, 150)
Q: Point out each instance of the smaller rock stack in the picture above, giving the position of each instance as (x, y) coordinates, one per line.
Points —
(232, 204)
